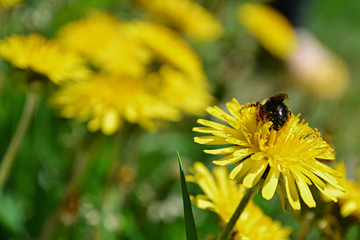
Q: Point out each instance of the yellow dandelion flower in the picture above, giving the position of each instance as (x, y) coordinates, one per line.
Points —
(222, 195)
(44, 56)
(166, 74)
(89, 34)
(112, 50)
(270, 27)
(123, 56)
(186, 16)
(287, 158)
(350, 200)
(166, 46)
(180, 92)
(107, 100)
(175, 65)
(143, 50)
(7, 4)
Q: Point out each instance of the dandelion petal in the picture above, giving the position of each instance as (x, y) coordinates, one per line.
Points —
(270, 183)
(254, 174)
(291, 190)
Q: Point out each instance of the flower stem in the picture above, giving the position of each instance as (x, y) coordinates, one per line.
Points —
(305, 226)
(82, 164)
(27, 114)
(249, 193)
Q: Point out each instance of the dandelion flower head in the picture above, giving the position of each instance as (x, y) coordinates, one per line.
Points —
(174, 66)
(222, 195)
(36, 53)
(287, 159)
(105, 42)
(133, 47)
(166, 46)
(88, 34)
(147, 74)
(186, 16)
(107, 100)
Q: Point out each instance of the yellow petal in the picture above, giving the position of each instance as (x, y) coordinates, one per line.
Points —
(254, 174)
(291, 190)
(281, 191)
(190, 178)
(319, 184)
(244, 152)
(203, 129)
(201, 202)
(237, 141)
(205, 180)
(210, 140)
(298, 172)
(236, 171)
(222, 151)
(270, 183)
(234, 157)
(326, 155)
(215, 125)
(323, 172)
(225, 161)
(225, 185)
(329, 193)
(305, 192)
(348, 208)
(110, 122)
(220, 114)
(241, 169)
(277, 35)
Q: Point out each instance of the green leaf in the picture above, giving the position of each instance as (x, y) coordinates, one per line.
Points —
(191, 233)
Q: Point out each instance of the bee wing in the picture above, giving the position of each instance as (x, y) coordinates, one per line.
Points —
(279, 97)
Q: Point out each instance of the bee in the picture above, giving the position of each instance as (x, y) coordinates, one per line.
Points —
(273, 109)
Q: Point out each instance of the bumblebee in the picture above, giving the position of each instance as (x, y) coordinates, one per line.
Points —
(273, 109)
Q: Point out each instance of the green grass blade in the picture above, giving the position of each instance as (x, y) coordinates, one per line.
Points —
(191, 233)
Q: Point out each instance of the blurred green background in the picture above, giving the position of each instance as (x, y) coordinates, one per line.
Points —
(142, 199)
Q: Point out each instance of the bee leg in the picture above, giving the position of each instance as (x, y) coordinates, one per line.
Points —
(260, 112)
(247, 105)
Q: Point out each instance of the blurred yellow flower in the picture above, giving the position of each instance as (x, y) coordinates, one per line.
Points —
(138, 44)
(186, 16)
(180, 91)
(107, 100)
(104, 40)
(174, 65)
(222, 196)
(146, 73)
(350, 200)
(88, 35)
(166, 46)
(129, 47)
(270, 27)
(44, 56)
(6, 4)
(286, 159)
